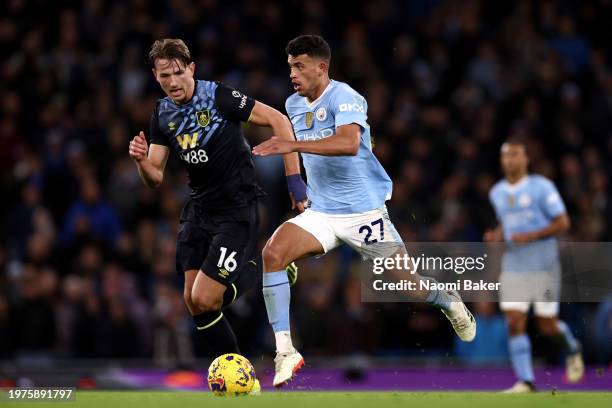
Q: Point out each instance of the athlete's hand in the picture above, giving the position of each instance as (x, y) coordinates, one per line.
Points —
(274, 145)
(523, 237)
(138, 147)
(493, 235)
(298, 206)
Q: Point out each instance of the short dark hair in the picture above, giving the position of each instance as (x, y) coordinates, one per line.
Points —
(518, 140)
(171, 49)
(311, 45)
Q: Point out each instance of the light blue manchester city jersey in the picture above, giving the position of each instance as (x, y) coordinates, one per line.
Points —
(339, 184)
(526, 206)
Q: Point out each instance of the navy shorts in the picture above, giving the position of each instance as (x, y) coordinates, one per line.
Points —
(219, 243)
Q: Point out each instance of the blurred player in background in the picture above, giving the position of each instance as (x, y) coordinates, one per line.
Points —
(201, 122)
(347, 188)
(531, 213)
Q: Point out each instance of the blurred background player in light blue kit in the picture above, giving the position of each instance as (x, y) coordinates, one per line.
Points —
(347, 188)
(531, 213)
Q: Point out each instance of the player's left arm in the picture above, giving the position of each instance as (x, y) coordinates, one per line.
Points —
(237, 106)
(552, 205)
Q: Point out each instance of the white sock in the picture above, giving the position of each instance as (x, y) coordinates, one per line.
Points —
(283, 341)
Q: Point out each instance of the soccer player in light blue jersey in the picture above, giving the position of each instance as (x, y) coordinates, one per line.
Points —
(347, 188)
(531, 213)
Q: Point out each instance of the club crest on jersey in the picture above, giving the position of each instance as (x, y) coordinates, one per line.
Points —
(203, 118)
(524, 200)
(511, 201)
(321, 114)
(309, 119)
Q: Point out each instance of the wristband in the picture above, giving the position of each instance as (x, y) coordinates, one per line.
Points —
(297, 187)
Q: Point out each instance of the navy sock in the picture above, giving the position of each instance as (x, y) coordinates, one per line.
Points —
(216, 334)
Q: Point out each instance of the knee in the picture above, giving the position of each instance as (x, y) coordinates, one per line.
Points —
(273, 256)
(516, 324)
(205, 302)
(187, 298)
(548, 327)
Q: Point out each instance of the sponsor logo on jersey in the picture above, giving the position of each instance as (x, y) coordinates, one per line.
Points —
(321, 114)
(223, 273)
(243, 99)
(188, 141)
(171, 125)
(203, 117)
(351, 107)
(309, 119)
(321, 134)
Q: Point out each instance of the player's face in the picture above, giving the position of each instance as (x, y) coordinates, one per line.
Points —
(306, 73)
(514, 159)
(175, 78)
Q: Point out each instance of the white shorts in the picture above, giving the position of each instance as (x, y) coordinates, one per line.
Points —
(371, 233)
(518, 291)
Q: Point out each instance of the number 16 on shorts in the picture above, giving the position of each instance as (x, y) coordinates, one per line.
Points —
(227, 262)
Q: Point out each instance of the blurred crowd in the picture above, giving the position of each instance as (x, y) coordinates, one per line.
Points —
(87, 265)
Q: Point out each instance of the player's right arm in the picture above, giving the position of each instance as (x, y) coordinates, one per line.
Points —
(150, 161)
(494, 234)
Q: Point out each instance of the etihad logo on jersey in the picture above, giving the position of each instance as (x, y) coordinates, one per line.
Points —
(321, 134)
(203, 117)
(351, 107)
(188, 141)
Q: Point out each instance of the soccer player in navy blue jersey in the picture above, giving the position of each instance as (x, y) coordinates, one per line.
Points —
(201, 122)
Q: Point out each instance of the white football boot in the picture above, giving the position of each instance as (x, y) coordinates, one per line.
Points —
(285, 366)
(460, 317)
(574, 367)
(256, 390)
(520, 387)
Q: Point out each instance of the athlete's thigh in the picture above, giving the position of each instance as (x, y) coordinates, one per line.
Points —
(290, 243)
(372, 234)
(232, 245)
(309, 233)
(204, 285)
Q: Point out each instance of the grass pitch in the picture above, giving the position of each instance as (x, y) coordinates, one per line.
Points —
(186, 399)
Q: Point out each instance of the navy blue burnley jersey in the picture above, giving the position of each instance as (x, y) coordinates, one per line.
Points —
(207, 136)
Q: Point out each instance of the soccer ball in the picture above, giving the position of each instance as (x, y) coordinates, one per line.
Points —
(231, 374)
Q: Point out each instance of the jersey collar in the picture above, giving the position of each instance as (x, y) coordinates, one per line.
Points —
(513, 188)
(313, 103)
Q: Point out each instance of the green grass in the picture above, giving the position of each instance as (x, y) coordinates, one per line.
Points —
(153, 399)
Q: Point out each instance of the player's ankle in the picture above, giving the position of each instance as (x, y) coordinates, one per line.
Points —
(283, 342)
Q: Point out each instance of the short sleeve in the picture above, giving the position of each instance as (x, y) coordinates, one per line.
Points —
(349, 107)
(156, 136)
(550, 199)
(232, 104)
